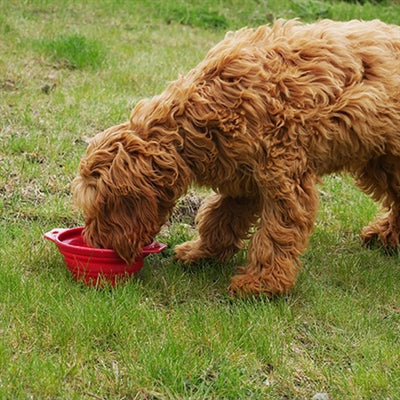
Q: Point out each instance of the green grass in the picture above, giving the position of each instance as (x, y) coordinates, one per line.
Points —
(71, 69)
(73, 51)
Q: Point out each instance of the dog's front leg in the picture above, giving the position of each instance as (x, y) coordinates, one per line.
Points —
(287, 221)
(223, 224)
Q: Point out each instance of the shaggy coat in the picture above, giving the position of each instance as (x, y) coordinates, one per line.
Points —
(266, 113)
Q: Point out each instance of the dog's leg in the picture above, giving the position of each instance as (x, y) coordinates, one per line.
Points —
(223, 224)
(286, 224)
(384, 231)
(381, 179)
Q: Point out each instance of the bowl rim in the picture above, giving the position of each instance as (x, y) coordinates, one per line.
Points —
(57, 235)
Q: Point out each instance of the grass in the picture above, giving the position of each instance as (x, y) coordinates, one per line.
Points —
(73, 51)
(70, 69)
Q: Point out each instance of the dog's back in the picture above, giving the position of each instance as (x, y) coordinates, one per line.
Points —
(332, 87)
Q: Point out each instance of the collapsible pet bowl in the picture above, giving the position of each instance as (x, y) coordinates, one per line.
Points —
(94, 266)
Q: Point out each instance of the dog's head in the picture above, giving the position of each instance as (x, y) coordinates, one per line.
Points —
(121, 189)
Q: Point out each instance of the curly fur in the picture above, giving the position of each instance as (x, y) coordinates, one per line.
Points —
(264, 115)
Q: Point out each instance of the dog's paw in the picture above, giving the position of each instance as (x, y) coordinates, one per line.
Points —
(188, 252)
(245, 285)
(381, 234)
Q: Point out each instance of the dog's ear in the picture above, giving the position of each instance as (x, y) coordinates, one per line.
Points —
(131, 221)
(126, 216)
(127, 171)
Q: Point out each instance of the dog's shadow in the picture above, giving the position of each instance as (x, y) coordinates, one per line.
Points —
(165, 277)
(334, 260)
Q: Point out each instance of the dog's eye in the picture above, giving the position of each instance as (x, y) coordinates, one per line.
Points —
(95, 175)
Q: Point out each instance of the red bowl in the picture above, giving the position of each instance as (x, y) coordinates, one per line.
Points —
(95, 266)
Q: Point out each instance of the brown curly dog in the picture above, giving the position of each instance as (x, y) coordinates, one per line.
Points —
(267, 112)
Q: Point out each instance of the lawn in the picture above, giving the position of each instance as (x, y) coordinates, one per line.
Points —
(69, 69)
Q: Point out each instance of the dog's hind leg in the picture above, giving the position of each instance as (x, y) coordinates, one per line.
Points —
(286, 223)
(223, 224)
(381, 179)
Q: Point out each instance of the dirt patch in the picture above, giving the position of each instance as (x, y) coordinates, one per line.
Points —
(187, 207)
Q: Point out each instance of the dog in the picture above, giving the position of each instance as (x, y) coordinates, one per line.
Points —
(267, 113)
